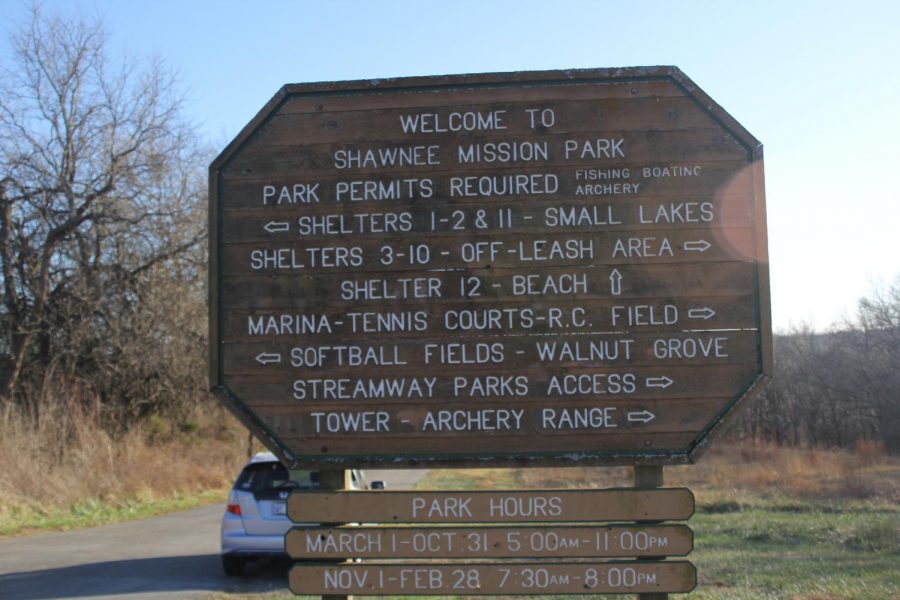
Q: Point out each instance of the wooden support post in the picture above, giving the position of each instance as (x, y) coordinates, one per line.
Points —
(335, 479)
(649, 477)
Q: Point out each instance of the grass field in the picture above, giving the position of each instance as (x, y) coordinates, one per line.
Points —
(771, 523)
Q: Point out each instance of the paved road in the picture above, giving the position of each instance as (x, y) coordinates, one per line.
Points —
(175, 556)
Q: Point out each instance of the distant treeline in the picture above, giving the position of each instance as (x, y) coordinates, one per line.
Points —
(837, 388)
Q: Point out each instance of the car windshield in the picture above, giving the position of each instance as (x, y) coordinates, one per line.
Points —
(269, 476)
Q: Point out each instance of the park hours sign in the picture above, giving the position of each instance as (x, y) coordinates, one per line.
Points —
(561, 267)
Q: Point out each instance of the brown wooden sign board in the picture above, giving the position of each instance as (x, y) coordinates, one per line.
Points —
(475, 579)
(563, 267)
(512, 506)
(582, 541)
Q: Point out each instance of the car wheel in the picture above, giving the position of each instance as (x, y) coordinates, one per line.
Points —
(233, 565)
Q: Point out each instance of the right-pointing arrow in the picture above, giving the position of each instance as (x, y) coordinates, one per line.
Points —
(267, 358)
(659, 382)
(704, 313)
(644, 416)
(697, 246)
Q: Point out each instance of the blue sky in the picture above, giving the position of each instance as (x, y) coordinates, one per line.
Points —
(816, 82)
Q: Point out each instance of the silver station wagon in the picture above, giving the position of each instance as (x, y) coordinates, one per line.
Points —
(255, 519)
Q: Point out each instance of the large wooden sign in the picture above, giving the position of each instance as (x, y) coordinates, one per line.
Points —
(553, 267)
(511, 506)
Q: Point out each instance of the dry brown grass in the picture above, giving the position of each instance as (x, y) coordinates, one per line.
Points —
(66, 458)
(733, 473)
(866, 473)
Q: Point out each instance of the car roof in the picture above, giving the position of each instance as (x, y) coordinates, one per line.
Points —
(268, 457)
(261, 457)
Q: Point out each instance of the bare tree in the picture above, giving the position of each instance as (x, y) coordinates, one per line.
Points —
(836, 388)
(101, 190)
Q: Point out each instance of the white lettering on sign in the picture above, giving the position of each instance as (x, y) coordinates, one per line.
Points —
(457, 353)
(690, 347)
(389, 322)
(544, 250)
(473, 420)
(504, 185)
(593, 383)
(363, 389)
(490, 386)
(346, 356)
(360, 223)
(606, 189)
(595, 149)
(643, 315)
(388, 189)
(672, 171)
(541, 117)
(650, 247)
(446, 507)
(346, 542)
(351, 421)
(402, 156)
(578, 418)
(578, 351)
(297, 193)
(602, 174)
(516, 507)
(291, 258)
(490, 319)
(383, 289)
(503, 152)
(345, 580)
(455, 121)
(677, 212)
(580, 216)
(288, 324)
(550, 285)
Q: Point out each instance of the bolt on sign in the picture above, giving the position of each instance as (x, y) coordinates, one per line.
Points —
(564, 267)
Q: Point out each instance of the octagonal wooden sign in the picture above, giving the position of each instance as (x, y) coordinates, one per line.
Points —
(558, 267)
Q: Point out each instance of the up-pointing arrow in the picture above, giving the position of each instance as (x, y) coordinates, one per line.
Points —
(615, 282)
(704, 313)
(697, 246)
(277, 226)
(659, 382)
(644, 416)
(267, 358)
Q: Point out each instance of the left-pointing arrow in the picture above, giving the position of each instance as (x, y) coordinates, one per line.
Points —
(267, 358)
(277, 226)
(644, 416)
(659, 382)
